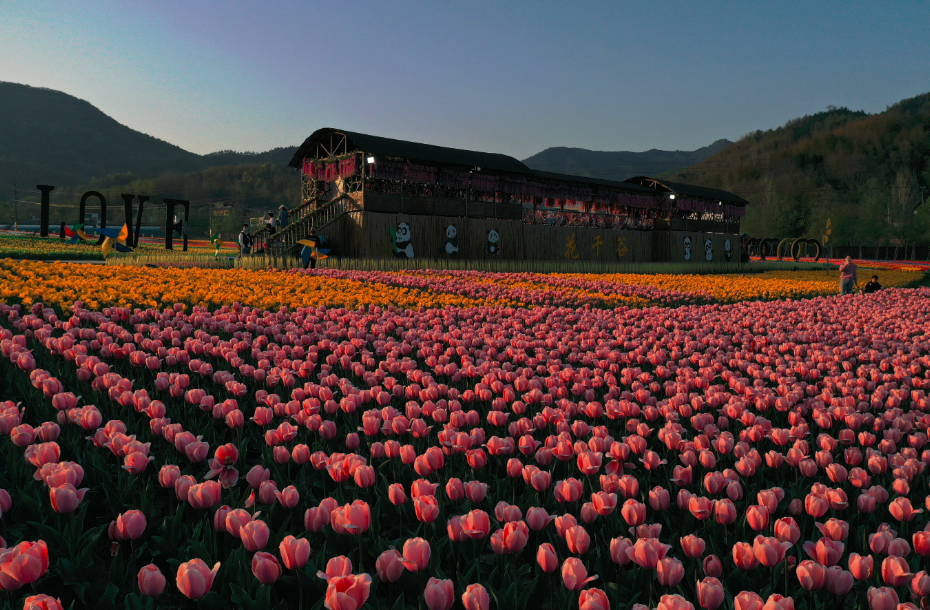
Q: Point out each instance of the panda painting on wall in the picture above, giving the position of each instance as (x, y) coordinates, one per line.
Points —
(687, 243)
(452, 241)
(493, 245)
(402, 245)
(708, 250)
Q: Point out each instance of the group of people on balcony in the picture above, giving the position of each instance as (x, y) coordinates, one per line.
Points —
(271, 224)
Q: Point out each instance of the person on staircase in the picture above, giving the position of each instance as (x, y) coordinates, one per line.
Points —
(270, 224)
(282, 217)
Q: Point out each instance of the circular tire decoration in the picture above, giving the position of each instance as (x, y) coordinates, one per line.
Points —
(797, 248)
(817, 248)
(781, 246)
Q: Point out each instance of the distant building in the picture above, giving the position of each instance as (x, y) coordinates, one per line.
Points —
(360, 189)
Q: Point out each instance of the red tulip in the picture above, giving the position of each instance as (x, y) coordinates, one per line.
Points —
(128, 526)
(416, 554)
(747, 600)
(860, 567)
(787, 530)
(254, 535)
(920, 584)
(574, 574)
(475, 597)
(547, 558)
(757, 517)
(692, 546)
(670, 571)
(336, 567)
(195, 579)
(647, 552)
(266, 568)
(710, 593)
(477, 524)
(578, 540)
(674, 602)
(593, 599)
(769, 551)
(355, 518)
(42, 602)
(568, 490)
(839, 582)
(712, 566)
(23, 564)
(826, 552)
(884, 598)
(294, 552)
(618, 550)
(895, 571)
(348, 592)
(390, 566)
(811, 575)
(537, 518)
(439, 594)
(66, 499)
(475, 491)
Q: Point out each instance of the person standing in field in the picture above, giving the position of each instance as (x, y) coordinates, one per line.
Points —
(245, 240)
(847, 276)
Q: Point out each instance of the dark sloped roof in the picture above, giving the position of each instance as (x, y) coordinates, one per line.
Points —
(428, 153)
(414, 151)
(628, 186)
(690, 190)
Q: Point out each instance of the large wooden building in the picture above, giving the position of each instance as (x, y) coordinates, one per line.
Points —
(377, 197)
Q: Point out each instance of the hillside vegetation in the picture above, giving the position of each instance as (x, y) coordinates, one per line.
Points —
(50, 137)
(618, 165)
(865, 172)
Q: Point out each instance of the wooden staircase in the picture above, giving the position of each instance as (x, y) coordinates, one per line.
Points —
(284, 242)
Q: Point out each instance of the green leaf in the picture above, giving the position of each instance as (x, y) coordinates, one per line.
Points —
(108, 601)
(50, 534)
(134, 602)
(240, 598)
(214, 601)
(72, 577)
(264, 596)
(399, 603)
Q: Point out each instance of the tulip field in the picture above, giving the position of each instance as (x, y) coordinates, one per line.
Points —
(47, 248)
(217, 439)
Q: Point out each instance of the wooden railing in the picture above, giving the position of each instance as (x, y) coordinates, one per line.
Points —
(284, 242)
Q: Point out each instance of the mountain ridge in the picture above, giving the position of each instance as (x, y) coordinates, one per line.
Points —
(618, 165)
(49, 136)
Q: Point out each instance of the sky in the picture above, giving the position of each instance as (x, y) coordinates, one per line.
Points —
(510, 77)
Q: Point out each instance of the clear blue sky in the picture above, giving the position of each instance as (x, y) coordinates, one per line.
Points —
(511, 77)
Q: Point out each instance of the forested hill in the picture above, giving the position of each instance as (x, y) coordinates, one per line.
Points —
(618, 165)
(51, 137)
(863, 171)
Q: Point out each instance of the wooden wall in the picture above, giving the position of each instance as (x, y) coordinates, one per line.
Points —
(367, 234)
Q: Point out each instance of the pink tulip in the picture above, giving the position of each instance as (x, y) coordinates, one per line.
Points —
(265, 568)
(439, 594)
(195, 579)
(294, 552)
(710, 593)
(416, 554)
(151, 581)
(475, 597)
(66, 499)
